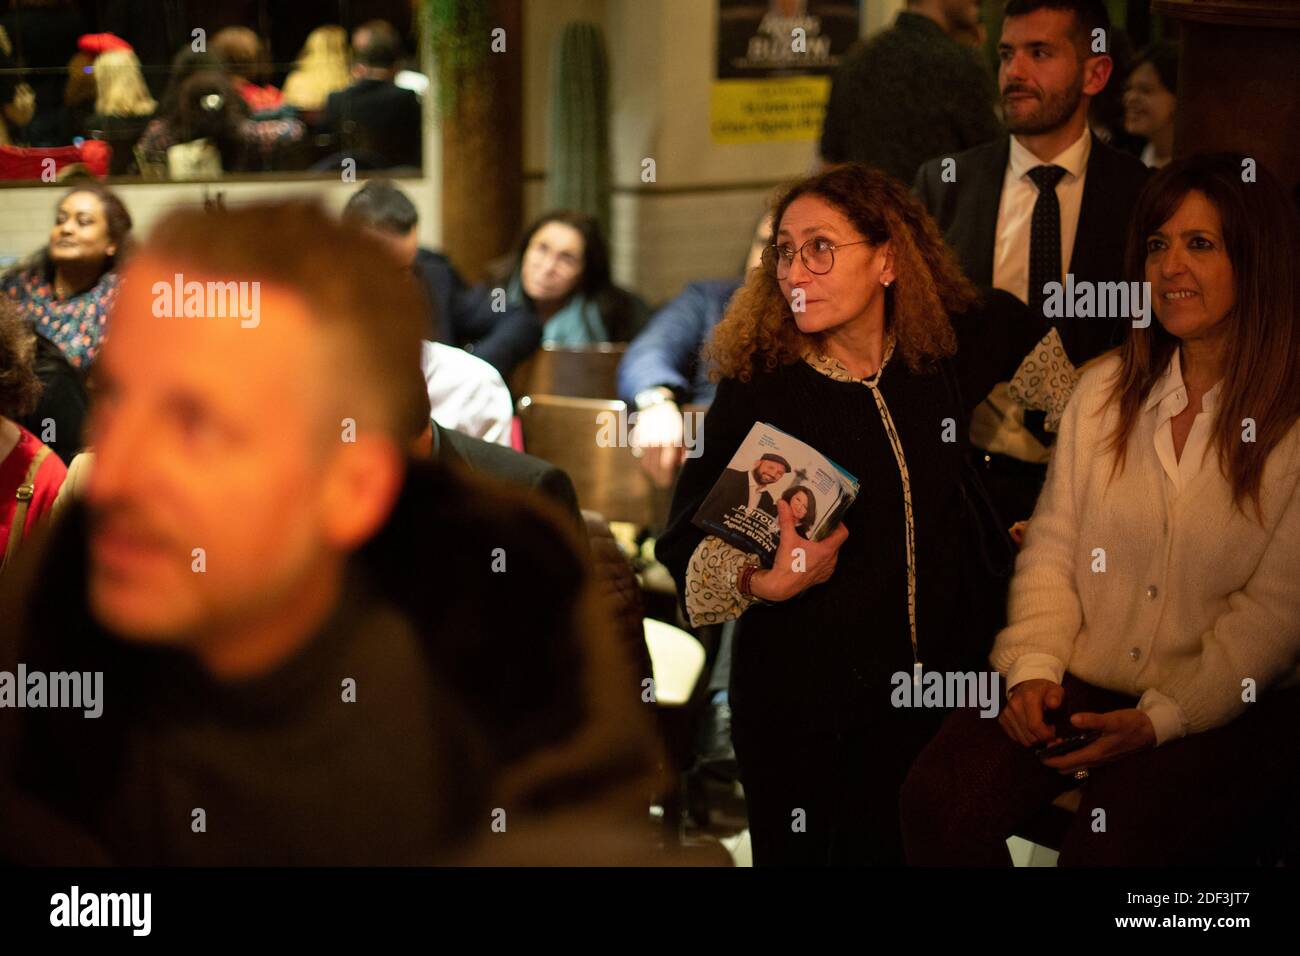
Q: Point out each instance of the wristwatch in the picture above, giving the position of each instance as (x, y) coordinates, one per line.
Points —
(649, 397)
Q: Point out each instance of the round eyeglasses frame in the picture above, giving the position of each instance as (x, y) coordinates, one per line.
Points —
(773, 260)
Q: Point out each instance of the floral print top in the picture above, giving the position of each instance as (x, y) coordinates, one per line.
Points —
(76, 324)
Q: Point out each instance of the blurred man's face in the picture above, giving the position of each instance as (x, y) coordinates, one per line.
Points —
(207, 436)
(1040, 74)
(768, 471)
(402, 246)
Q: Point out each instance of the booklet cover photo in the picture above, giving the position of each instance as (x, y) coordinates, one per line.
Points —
(770, 466)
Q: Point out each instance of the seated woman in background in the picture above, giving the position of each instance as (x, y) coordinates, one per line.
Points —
(1155, 603)
(65, 291)
(861, 337)
(322, 69)
(123, 107)
(1150, 101)
(559, 292)
(24, 460)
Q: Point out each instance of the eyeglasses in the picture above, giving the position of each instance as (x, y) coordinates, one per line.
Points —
(819, 260)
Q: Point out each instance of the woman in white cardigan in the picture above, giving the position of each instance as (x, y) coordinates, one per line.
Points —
(1155, 608)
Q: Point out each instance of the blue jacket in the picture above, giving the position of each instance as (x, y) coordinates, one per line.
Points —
(462, 316)
(668, 351)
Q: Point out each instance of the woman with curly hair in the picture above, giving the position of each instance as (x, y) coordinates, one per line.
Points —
(30, 475)
(861, 337)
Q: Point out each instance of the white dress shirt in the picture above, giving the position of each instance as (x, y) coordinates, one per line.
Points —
(997, 424)
(1168, 399)
(1016, 211)
(1151, 581)
(1149, 157)
(466, 394)
(756, 490)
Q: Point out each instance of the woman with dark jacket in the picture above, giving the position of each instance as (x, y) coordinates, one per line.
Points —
(862, 338)
(559, 292)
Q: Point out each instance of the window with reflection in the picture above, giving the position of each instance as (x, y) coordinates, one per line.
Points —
(185, 90)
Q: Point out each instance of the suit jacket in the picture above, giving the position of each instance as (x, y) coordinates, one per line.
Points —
(732, 491)
(377, 119)
(572, 755)
(967, 214)
(511, 466)
(444, 290)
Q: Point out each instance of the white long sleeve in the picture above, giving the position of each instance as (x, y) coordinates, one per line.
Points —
(1196, 597)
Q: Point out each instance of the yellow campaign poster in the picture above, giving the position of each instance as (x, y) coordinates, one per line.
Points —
(774, 65)
(768, 110)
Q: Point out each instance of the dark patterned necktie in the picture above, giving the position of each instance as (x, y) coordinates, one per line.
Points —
(1044, 235)
(1044, 260)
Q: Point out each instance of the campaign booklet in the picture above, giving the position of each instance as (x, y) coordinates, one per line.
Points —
(770, 466)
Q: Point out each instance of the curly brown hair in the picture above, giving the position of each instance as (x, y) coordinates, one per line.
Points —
(19, 386)
(758, 329)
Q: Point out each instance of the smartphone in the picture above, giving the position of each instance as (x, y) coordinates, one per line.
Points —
(1068, 744)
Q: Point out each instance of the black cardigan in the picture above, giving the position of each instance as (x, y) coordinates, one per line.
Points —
(828, 654)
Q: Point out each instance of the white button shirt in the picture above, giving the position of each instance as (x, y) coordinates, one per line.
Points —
(997, 424)
(466, 394)
(1016, 211)
(1150, 580)
(1169, 398)
(756, 491)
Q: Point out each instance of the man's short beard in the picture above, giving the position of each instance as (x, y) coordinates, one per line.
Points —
(1053, 114)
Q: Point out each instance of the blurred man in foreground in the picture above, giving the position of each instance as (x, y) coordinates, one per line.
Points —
(312, 651)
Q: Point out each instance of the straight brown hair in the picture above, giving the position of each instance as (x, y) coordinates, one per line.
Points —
(1262, 365)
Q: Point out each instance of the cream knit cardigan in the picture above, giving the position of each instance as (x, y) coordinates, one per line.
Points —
(1198, 602)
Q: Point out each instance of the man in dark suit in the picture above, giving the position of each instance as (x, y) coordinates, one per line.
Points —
(1048, 202)
(515, 467)
(373, 118)
(387, 214)
(748, 490)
